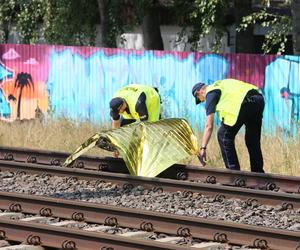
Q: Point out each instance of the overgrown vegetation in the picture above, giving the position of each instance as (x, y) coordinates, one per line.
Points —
(198, 18)
(278, 28)
(75, 22)
(281, 156)
(55, 134)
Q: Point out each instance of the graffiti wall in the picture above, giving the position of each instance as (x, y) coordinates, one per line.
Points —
(78, 82)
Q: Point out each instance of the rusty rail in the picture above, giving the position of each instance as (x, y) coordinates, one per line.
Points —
(161, 184)
(226, 177)
(74, 239)
(185, 226)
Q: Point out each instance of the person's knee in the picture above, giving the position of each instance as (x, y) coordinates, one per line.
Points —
(225, 137)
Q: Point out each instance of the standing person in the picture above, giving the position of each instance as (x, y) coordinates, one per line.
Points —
(237, 103)
(134, 102)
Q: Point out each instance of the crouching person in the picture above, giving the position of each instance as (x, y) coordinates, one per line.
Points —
(134, 102)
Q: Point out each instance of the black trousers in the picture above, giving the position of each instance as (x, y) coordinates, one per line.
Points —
(251, 116)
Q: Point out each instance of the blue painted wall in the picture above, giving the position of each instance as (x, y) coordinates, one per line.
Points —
(78, 82)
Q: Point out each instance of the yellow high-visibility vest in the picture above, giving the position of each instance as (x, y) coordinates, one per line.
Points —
(131, 93)
(233, 93)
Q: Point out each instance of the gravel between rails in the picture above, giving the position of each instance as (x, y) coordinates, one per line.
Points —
(233, 210)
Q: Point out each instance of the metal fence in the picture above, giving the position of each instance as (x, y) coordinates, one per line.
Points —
(78, 82)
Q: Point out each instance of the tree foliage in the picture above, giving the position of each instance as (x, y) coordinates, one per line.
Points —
(63, 21)
(295, 9)
(8, 13)
(146, 14)
(70, 22)
(74, 22)
(29, 19)
(112, 21)
(57, 21)
(278, 28)
(202, 17)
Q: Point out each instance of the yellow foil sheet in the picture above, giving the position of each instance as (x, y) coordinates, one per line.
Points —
(148, 148)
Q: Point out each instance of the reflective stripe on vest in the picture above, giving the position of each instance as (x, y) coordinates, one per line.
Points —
(233, 93)
(131, 94)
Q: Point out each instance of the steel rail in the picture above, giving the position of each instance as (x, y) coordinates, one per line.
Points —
(74, 239)
(161, 184)
(184, 226)
(289, 184)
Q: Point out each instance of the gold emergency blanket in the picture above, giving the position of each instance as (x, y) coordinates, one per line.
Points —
(148, 148)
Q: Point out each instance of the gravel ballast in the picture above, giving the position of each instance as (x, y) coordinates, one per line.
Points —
(197, 205)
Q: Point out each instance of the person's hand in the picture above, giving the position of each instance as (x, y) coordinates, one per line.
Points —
(202, 157)
(116, 153)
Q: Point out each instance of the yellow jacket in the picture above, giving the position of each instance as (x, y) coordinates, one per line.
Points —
(233, 93)
(131, 93)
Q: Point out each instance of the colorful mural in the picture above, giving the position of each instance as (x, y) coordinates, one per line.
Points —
(78, 82)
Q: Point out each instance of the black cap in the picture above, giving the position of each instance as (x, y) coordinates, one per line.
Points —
(197, 87)
(115, 104)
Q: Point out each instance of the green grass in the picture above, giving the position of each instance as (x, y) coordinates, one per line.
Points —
(280, 156)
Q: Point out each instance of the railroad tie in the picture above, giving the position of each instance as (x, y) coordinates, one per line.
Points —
(98, 228)
(169, 239)
(22, 247)
(12, 215)
(208, 245)
(66, 223)
(4, 243)
(38, 219)
(138, 234)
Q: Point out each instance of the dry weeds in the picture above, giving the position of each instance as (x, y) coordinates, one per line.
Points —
(281, 156)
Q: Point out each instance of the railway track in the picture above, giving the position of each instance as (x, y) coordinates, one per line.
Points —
(219, 192)
(59, 234)
(191, 173)
(73, 239)
(219, 184)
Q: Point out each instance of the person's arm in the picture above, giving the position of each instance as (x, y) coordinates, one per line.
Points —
(115, 119)
(141, 107)
(116, 123)
(208, 129)
(212, 99)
